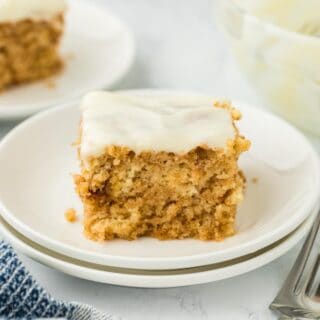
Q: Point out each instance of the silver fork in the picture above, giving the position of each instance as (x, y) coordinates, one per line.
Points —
(299, 297)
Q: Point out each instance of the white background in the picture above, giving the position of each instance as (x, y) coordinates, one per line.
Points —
(179, 47)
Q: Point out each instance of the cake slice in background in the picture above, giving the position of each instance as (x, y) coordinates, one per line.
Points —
(30, 33)
(159, 167)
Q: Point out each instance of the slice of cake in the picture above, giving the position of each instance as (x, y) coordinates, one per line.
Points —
(159, 167)
(30, 32)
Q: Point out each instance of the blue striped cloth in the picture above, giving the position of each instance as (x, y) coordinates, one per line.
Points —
(21, 297)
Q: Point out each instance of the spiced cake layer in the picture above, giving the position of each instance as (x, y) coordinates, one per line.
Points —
(162, 167)
(30, 33)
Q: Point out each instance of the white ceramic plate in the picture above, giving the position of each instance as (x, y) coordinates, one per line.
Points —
(153, 279)
(37, 159)
(98, 50)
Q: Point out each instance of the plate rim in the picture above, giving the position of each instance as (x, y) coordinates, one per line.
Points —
(10, 114)
(157, 281)
(145, 262)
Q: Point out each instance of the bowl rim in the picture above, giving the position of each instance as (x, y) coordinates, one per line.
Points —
(275, 27)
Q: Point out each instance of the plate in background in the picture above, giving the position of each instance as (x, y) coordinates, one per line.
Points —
(98, 50)
(37, 159)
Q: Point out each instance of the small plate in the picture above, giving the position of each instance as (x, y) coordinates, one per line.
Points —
(98, 49)
(37, 160)
(153, 279)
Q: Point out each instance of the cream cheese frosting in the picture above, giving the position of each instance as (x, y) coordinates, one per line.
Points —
(13, 10)
(147, 123)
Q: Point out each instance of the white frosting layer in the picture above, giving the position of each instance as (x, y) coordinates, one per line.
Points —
(172, 124)
(13, 10)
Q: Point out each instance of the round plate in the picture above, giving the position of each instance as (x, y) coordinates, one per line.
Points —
(98, 49)
(153, 279)
(37, 159)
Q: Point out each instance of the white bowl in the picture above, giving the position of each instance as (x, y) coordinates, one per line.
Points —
(277, 46)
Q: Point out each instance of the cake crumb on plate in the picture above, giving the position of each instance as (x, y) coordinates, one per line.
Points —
(70, 215)
(255, 180)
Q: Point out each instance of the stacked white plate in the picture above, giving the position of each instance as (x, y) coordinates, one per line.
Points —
(36, 187)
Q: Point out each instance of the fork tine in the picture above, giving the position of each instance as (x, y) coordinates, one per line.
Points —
(305, 255)
(312, 287)
(289, 299)
(295, 277)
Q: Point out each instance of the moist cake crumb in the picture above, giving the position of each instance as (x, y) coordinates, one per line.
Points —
(30, 34)
(168, 172)
(50, 83)
(70, 215)
(255, 180)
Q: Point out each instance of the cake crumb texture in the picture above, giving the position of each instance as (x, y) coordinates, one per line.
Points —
(163, 194)
(29, 50)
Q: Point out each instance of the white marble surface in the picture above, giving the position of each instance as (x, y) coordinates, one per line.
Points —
(178, 47)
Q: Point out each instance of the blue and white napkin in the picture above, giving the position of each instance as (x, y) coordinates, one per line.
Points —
(21, 297)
